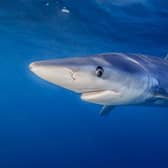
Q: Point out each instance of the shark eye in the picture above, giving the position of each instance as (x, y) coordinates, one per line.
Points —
(99, 71)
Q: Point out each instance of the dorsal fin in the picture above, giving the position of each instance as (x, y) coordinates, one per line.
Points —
(166, 57)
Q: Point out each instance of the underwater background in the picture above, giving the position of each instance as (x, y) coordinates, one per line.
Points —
(42, 125)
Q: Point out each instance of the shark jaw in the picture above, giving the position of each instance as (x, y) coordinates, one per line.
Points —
(102, 97)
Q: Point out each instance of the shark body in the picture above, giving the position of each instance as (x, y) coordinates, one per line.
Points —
(110, 79)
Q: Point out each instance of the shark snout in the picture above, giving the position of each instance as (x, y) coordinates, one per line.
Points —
(33, 66)
(59, 74)
(39, 67)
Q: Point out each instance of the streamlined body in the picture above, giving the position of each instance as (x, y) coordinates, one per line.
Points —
(110, 79)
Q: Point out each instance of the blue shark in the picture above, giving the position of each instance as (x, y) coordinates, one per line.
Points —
(110, 79)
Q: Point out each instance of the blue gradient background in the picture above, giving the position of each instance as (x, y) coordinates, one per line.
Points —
(42, 125)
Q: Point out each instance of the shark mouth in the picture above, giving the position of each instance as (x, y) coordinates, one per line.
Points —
(99, 96)
(92, 93)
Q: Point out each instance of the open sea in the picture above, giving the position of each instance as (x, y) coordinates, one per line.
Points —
(44, 126)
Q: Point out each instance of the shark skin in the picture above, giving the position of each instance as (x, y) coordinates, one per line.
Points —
(110, 79)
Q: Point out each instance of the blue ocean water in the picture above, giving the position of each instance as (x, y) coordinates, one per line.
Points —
(42, 125)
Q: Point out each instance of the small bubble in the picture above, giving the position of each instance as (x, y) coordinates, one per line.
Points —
(65, 10)
(47, 4)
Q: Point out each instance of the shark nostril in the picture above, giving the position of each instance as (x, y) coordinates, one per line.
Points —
(73, 76)
(72, 73)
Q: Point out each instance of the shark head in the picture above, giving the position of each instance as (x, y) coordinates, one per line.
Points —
(106, 79)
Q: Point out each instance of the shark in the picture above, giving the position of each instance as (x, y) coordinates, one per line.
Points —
(110, 79)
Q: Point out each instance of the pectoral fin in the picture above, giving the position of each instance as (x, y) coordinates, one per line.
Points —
(106, 110)
(161, 93)
(166, 57)
(160, 96)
